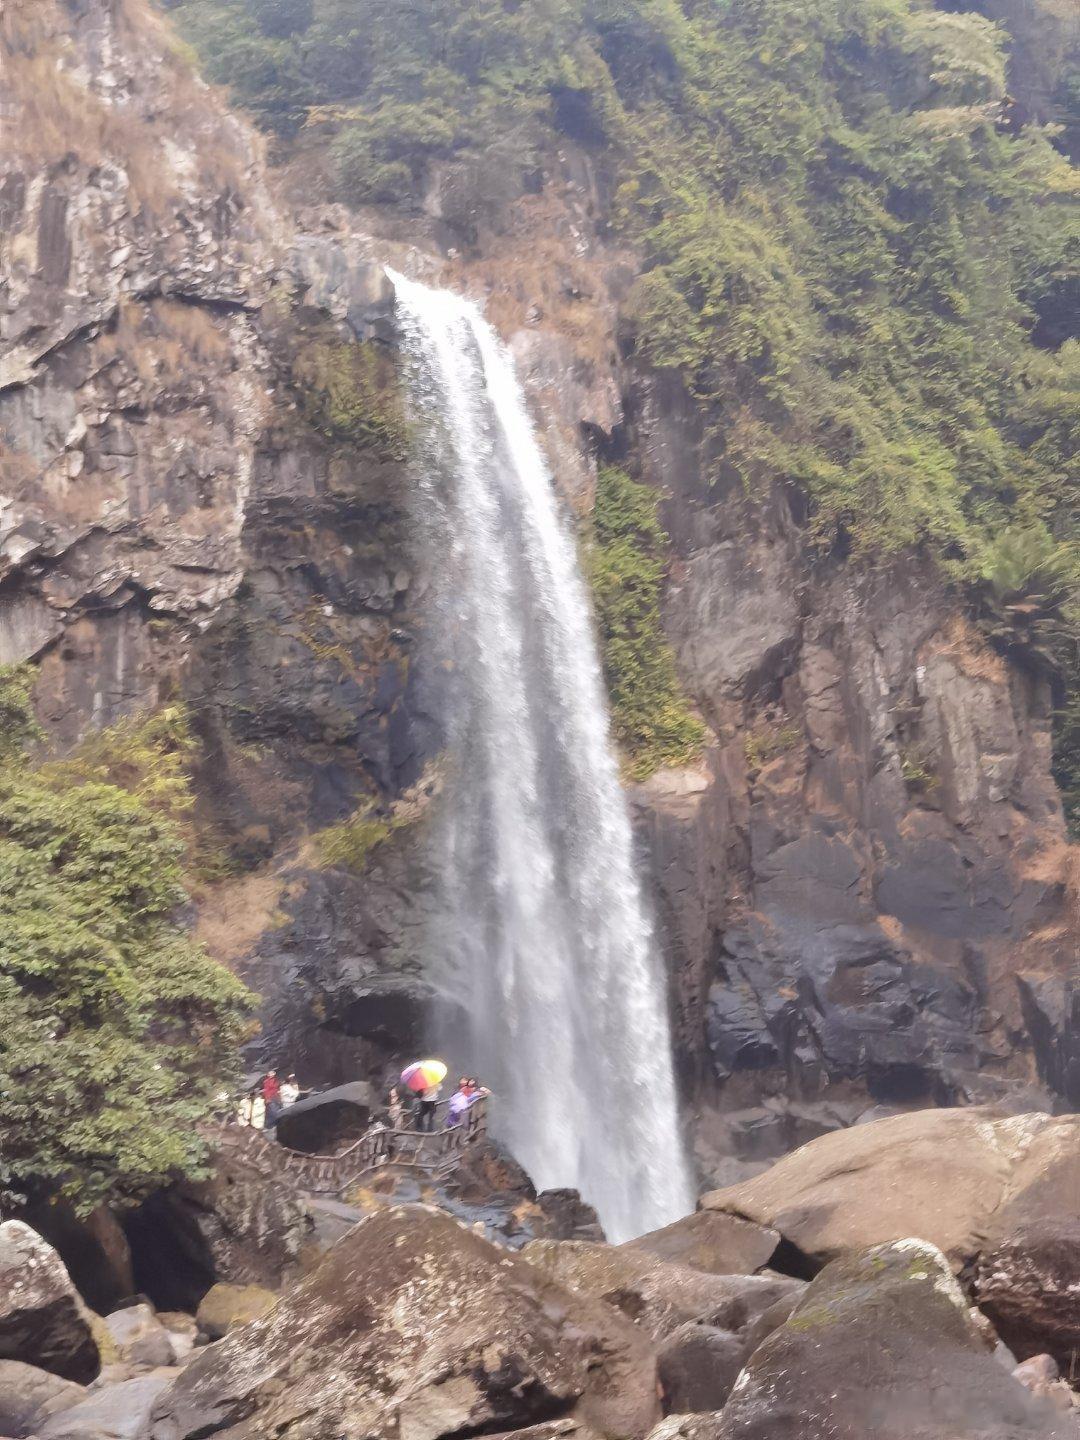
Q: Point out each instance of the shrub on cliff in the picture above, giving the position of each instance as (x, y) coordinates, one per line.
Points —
(116, 1029)
(649, 712)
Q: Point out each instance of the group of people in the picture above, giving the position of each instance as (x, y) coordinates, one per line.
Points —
(262, 1106)
(427, 1103)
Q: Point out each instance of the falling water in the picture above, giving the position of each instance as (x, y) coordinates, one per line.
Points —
(542, 934)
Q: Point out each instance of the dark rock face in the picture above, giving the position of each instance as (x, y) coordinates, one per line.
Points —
(246, 1225)
(42, 1320)
(415, 1324)
(93, 1248)
(866, 890)
(883, 1344)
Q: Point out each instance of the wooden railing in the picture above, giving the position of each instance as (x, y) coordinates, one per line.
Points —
(436, 1153)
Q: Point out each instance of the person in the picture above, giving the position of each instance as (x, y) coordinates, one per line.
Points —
(425, 1118)
(468, 1092)
(459, 1104)
(289, 1093)
(395, 1109)
(252, 1111)
(271, 1089)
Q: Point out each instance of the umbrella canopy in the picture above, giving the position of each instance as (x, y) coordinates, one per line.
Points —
(423, 1074)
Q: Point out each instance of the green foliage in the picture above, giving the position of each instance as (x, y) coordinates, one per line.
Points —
(847, 247)
(116, 1030)
(766, 742)
(349, 844)
(348, 392)
(18, 727)
(917, 772)
(649, 713)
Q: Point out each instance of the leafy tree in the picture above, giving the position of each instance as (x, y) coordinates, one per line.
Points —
(116, 1030)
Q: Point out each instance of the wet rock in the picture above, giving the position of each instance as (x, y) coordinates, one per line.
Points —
(42, 1320)
(414, 1324)
(116, 1412)
(883, 1344)
(698, 1365)
(138, 1336)
(656, 1294)
(29, 1396)
(224, 1307)
(712, 1241)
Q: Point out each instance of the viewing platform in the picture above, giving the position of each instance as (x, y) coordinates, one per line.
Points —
(435, 1155)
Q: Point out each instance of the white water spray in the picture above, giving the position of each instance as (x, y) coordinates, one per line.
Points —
(541, 929)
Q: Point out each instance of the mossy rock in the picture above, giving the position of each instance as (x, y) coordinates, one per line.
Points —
(225, 1307)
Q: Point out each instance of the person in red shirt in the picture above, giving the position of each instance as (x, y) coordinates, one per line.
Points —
(270, 1087)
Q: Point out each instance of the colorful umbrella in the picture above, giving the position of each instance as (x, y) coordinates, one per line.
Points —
(423, 1074)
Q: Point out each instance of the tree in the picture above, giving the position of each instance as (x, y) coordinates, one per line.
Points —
(117, 1031)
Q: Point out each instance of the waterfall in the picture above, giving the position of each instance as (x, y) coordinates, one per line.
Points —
(542, 937)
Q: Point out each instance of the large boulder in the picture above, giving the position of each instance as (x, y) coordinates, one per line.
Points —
(883, 1345)
(710, 1240)
(997, 1195)
(114, 1412)
(28, 1396)
(656, 1294)
(938, 1174)
(415, 1326)
(42, 1320)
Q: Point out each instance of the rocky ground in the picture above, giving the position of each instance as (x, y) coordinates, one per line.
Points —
(913, 1278)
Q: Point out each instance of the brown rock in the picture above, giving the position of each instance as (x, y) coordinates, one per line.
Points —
(698, 1365)
(114, 1412)
(996, 1195)
(29, 1395)
(42, 1320)
(224, 1307)
(943, 1175)
(415, 1326)
(710, 1240)
(655, 1294)
(883, 1347)
(139, 1337)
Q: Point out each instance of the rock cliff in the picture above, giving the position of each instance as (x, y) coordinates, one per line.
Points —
(863, 886)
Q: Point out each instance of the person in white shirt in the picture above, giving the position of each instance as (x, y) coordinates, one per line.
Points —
(290, 1092)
